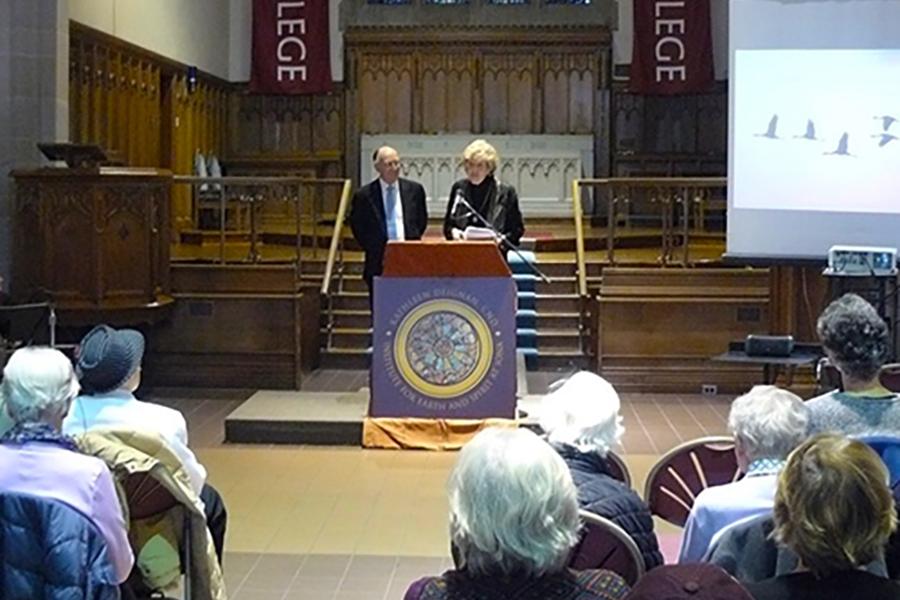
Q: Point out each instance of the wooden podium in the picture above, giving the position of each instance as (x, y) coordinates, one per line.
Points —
(444, 343)
(95, 240)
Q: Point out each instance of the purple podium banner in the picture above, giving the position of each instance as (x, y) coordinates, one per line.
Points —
(444, 348)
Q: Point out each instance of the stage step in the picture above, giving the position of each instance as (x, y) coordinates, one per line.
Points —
(345, 358)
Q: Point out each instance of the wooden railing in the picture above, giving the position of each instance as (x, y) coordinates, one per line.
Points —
(246, 200)
(689, 197)
(335, 256)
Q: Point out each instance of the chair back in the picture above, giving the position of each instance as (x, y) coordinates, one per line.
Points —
(889, 376)
(605, 545)
(688, 581)
(679, 475)
(617, 468)
(146, 496)
(888, 448)
(827, 376)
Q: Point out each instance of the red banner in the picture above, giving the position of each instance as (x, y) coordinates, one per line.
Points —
(291, 49)
(672, 47)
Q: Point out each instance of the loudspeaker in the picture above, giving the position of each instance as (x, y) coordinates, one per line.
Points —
(769, 345)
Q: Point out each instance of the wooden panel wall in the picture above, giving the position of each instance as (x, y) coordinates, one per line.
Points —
(657, 328)
(669, 135)
(114, 99)
(285, 126)
(137, 104)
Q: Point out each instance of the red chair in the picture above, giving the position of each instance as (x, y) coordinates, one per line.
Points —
(685, 471)
(889, 376)
(827, 377)
(605, 545)
(147, 498)
(617, 468)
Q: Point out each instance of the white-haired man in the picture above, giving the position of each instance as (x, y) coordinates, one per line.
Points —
(388, 208)
(513, 523)
(582, 422)
(767, 423)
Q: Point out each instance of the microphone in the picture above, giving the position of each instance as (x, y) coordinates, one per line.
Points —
(457, 200)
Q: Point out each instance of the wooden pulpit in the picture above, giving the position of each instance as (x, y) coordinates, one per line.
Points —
(93, 240)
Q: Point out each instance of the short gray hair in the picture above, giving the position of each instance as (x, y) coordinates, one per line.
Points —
(35, 380)
(768, 421)
(583, 413)
(855, 336)
(513, 505)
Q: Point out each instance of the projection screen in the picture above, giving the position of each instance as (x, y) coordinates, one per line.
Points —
(814, 126)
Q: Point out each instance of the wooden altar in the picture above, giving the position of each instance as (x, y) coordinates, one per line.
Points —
(96, 241)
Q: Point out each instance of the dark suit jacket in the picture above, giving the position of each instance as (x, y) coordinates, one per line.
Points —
(501, 210)
(367, 220)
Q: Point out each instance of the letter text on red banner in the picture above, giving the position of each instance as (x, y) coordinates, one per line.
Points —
(291, 49)
(672, 47)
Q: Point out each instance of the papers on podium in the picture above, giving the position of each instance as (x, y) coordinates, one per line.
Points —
(478, 233)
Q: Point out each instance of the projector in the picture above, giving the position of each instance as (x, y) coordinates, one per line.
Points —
(862, 261)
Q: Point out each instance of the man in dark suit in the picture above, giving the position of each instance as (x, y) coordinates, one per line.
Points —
(388, 208)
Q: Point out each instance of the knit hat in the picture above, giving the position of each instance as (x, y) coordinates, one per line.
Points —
(700, 581)
(107, 357)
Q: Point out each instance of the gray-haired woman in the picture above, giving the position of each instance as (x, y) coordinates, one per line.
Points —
(583, 423)
(36, 459)
(856, 340)
(513, 522)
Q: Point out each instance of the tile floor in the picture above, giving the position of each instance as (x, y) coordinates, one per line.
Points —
(346, 523)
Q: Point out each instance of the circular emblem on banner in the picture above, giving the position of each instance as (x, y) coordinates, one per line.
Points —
(443, 348)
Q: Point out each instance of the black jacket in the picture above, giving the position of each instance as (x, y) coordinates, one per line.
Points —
(601, 494)
(501, 210)
(367, 220)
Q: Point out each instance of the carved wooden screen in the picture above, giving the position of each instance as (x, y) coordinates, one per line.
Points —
(516, 80)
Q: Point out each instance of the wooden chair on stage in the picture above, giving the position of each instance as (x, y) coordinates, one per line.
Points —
(685, 471)
(605, 545)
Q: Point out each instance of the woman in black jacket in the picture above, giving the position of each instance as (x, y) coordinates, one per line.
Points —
(582, 422)
(496, 202)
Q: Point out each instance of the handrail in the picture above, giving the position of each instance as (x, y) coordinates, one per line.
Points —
(253, 180)
(579, 238)
(336, 236)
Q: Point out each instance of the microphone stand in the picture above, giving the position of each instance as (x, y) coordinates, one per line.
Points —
(502, 237)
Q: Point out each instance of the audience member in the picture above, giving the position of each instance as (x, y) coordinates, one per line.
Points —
(857, 342)
(688, 582)
(513, 522)
(834, 510)
(767, 423)
(37, 460)
(582, 422)
(109, 369)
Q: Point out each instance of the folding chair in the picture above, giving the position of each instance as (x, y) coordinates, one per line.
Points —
(605, 545)
(685, 471)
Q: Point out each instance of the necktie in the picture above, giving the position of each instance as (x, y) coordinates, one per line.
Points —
(390, 211)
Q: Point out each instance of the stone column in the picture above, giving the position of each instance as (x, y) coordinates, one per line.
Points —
(34, 93)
